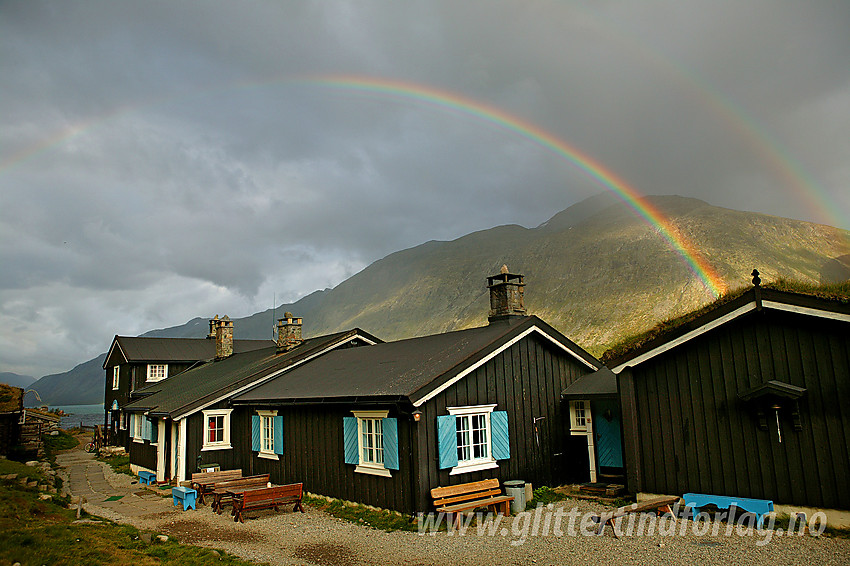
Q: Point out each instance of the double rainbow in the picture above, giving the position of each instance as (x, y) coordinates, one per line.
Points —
(695, 261)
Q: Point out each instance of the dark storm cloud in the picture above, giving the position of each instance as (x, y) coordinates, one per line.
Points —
(164, 160)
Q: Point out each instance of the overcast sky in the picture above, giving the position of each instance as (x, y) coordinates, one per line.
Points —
(166, 160)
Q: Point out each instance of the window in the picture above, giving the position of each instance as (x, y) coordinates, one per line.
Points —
(578, 417)
(267, 434)
(371, 442)
(138, 428)
(217, 429)
(122, 421)
(116, 375)
(157, 372)
(472, 438)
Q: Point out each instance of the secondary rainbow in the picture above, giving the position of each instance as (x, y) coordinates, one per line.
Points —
(604, 176)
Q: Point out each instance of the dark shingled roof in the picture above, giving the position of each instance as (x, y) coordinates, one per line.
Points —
(197, 387)
(147, 349)
(409, 368)
(602, 383)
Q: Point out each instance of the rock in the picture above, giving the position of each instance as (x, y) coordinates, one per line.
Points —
(146, 538)
(162, 538)
(10, 477)
(32, 463)
(33, 483)
(45, 497)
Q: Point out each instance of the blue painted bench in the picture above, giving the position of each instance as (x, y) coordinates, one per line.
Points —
(147, 478)
(186, 495)
(759, 507)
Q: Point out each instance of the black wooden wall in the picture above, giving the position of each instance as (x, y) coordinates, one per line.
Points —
(687, 431)
(313, 454)
(526, 380)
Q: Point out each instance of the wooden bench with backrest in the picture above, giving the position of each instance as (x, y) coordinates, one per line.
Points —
(203, 481)
(455, 499)
(267, 498)
(659, 506)
(220, 490)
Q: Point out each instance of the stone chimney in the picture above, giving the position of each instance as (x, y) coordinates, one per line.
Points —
(288, 332)
(213, 326)
(506, 290)
(224, 338)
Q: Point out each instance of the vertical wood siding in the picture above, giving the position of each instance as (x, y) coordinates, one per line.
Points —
(696, 435)
(313, 454)
(526, 381)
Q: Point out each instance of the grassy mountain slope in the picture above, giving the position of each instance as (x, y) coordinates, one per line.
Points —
(16, 380)
(595, 271)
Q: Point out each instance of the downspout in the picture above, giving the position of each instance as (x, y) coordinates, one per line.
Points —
(591, 446)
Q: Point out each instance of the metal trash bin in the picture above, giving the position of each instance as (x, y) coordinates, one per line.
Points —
(516, 489)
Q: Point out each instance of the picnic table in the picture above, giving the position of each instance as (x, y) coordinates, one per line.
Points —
(225, 491)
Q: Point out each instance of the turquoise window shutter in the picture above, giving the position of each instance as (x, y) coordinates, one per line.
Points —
(349, 437)
(154, 430)
(390, 434)
(146, 427)
(255, 433)
(278, 435)
(132, 425)
(499, 435)
(447, 441)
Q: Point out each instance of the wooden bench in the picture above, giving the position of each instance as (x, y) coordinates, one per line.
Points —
(147, 478)
(267, 498)
(184, 495)
(203, 481)
(759, 507)
(220, 490)
(455, 499)
(660, 506)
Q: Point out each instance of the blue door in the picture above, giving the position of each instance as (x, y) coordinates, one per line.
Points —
(606, 427)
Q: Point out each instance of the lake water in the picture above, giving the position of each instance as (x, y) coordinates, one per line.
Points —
(89, 415)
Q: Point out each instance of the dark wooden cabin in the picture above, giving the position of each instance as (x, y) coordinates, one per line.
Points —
(185, 421)
(496, 389)
(133, 363)
(749, 399)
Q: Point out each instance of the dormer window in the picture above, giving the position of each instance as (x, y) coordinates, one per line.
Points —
(157, 372)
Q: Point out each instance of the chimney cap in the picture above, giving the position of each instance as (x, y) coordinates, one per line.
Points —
(504, 270)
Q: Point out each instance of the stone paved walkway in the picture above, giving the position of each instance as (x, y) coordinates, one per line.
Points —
(110, 495)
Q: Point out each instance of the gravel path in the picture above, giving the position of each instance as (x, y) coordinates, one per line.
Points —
(315, 537)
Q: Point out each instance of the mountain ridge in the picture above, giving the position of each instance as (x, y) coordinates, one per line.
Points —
(596, 271)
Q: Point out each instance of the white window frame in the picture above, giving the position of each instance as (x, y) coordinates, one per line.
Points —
(267, 439)
(481, 463)
(579, 416)
(116, 377)
(372, 468)
(122, 420)
(138, 431)
(151, 371)
(223, 444)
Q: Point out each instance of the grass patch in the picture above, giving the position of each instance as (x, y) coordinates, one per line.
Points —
(12, 467)
(55, 444)
(544, 495)
(384, 520)
(120, 463)
(33, 531)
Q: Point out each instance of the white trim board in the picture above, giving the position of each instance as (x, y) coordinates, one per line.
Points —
(806, 310)
(262, 380)
(495, 353)
(685, 337)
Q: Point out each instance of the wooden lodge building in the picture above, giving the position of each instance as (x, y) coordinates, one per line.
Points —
(744, 398)
(379, 423)
(748, 399)
(135, 362)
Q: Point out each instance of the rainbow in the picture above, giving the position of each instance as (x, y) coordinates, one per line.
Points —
(696, 262)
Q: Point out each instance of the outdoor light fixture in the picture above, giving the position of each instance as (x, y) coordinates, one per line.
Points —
(417, 415)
